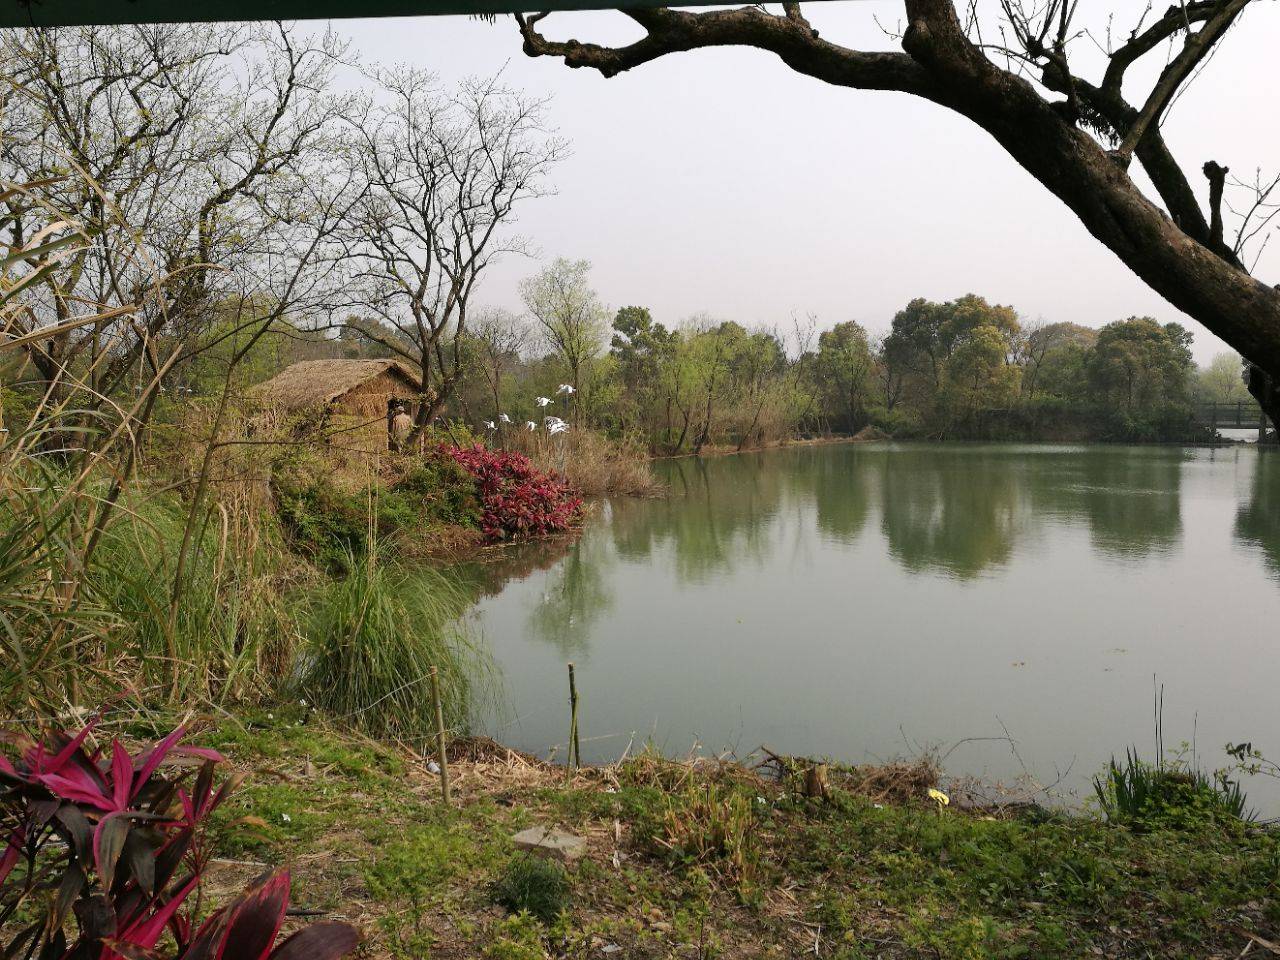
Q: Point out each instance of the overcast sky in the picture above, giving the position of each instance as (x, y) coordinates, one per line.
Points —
(719, 181)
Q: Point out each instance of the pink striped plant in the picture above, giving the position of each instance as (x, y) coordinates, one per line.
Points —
(118, 841)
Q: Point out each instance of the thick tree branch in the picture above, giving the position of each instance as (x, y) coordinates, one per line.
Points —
(1179, 254)
(1193, 52)
(790, 38)
(1217, 177)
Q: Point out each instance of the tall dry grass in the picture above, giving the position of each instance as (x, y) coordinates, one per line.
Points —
(594, 464)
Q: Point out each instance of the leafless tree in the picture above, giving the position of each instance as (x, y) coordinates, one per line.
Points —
(193, 157)
(1013, 68)
(447, 172)
(500, 338)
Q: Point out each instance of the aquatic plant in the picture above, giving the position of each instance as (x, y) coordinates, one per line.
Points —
(1172, 794)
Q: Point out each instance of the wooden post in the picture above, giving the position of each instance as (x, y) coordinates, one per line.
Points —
(575, 750)
(815, 781)
(441, 747)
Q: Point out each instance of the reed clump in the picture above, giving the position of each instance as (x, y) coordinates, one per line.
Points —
(370, 638)
(711, 826)
(593, 464)
(1138, 793)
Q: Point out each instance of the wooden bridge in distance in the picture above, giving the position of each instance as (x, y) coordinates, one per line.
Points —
(1242, 415)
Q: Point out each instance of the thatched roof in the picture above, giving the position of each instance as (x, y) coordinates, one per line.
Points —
(315, 383)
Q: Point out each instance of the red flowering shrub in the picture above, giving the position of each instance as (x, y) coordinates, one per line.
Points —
(517, 500)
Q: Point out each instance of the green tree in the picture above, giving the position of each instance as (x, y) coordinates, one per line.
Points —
(1139, 363)
(1222, 381)
(1054, 360)
(958, 354)
(641, 347)
(844, 368)
(570, 314)
(979, 374)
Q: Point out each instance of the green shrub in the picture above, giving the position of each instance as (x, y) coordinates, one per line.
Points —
(329, 524)
(325, 523)
(1139, 793)
(440, 489)
(533, 885)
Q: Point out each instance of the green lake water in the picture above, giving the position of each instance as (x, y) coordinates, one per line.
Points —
(866, 601)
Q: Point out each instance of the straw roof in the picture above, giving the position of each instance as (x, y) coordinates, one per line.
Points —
(316, 383)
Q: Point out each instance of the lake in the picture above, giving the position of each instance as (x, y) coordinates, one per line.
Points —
(864, 601)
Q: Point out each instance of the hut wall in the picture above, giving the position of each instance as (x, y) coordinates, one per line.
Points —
(369, 399)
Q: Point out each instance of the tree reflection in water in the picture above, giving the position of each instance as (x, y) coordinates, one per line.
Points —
(1258, 521)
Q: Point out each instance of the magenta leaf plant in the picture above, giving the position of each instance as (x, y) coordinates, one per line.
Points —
(118, 841)
(517, 500)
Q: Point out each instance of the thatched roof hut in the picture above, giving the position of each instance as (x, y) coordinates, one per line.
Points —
(353, 387)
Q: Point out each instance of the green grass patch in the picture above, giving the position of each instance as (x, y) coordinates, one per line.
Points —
(533, 885)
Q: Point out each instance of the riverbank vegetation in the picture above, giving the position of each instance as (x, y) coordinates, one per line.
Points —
(964, 369)
(168, 544)
(709, 858)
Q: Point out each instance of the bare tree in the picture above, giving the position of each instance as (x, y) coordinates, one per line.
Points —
(192, 157)
(500, 337)
(446, 173)
(1015, 75)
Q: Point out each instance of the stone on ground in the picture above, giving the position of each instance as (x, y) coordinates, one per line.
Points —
(552, 844)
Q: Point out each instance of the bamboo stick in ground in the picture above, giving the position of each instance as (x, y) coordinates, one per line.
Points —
(441, 747)
(575, 749)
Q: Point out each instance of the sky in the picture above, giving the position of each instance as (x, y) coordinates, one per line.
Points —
(720, 182)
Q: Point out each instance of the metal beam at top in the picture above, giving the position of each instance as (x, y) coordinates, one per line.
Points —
(65, 13)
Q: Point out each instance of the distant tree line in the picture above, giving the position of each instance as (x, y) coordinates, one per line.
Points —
(964, 369)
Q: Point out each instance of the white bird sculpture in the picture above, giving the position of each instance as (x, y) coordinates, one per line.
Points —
(504, 418)
(530, 426)
(565, 388)
(560, 427)
(490, 425)
(543, 401)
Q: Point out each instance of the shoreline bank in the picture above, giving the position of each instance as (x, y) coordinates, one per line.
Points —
(709, 858)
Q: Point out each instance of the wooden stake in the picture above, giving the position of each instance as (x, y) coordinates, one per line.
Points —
(441, 750)
(575, 750)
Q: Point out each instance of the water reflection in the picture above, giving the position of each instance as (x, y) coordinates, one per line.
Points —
(1133, 502)
(823, 600)
(713, 521)
(1258, 519)
(962, 512)
(842, 493)
(958, 513)
(574, 598)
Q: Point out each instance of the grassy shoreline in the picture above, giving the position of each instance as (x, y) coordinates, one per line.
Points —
(712, 859)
